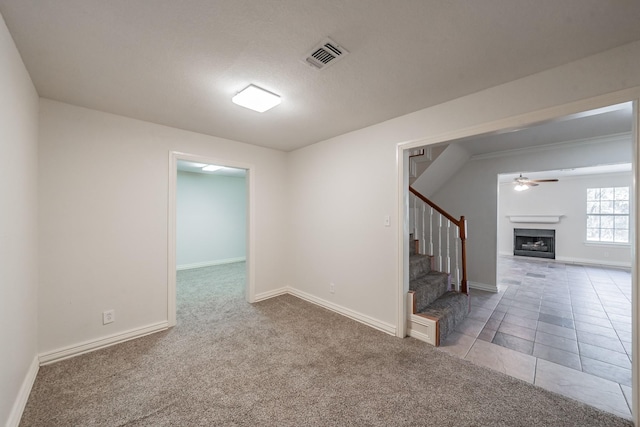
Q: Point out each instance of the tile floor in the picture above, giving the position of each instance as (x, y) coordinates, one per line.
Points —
(563, 327)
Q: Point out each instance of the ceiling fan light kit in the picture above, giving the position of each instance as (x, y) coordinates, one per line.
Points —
(523, 183)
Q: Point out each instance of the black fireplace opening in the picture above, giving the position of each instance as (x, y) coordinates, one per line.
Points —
(534, 242)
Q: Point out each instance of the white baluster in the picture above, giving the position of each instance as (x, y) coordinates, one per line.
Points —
(431, 231)
(423, 241)
(439, 242)
(448, 260)
(415, 220)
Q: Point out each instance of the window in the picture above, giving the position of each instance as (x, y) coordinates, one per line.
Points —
(608, 215)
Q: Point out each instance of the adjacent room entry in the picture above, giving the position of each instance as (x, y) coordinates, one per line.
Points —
(562, 312)
(209, 234)
(211, 206)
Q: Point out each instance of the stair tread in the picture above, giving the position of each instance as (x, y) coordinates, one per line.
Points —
(429, 279)
(441, 305)
(419, 265)
(449, 310)
(432, 296)
(428, 288)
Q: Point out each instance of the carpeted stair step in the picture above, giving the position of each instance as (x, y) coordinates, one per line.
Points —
(448, 310)
(428, 288)
(419, 265)
(413, 248)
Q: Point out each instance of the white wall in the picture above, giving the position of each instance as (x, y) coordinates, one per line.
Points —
(103, 195)
(341, 191)
(473, 192)
(443, 167)
(211, 219)
(103, 205)
(18, 230)
(568, 197)
(104, 225)
(342, 188)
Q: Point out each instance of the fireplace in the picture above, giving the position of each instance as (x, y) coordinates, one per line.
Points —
(534, 243)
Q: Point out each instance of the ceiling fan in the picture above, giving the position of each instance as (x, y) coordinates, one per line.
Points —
(523, 183)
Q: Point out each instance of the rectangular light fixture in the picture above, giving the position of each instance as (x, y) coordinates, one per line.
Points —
(256, 99)
(211, 168)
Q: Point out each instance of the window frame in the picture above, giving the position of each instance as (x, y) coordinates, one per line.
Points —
(610, 213)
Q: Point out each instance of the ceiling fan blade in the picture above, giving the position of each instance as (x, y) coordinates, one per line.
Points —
(544, 180)
(532, 184)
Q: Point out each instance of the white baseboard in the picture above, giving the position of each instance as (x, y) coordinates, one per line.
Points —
(23, 395)
(362, 318)
(354, 315)
(272, 294)
(594, 262)
(88, 346)
(483, 286)
(579, 261)
(210, 263)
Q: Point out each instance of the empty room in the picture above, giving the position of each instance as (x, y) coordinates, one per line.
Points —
(344, 268)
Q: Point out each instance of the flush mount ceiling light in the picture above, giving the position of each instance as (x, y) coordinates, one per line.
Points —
(256, 99)
(211, 168)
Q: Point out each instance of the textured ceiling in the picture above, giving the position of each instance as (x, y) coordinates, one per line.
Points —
(178, 63)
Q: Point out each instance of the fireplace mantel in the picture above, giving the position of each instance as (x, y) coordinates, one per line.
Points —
(536, 218)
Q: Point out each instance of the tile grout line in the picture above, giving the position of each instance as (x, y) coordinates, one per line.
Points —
(625, 398)
(606, 313)
(565, 280)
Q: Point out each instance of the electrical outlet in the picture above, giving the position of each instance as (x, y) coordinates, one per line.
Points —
(332, 288)
(108, 316)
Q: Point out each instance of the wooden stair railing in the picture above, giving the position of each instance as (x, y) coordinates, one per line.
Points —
(420, 230)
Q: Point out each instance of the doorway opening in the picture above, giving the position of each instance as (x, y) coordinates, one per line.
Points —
(492, 134)
(210, 233)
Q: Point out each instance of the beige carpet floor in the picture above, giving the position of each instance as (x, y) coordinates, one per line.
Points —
(283, 362)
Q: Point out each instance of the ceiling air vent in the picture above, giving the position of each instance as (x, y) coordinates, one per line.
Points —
(325, 53)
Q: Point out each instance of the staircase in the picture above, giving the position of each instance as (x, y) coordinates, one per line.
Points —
(435, 309)
(438, 298)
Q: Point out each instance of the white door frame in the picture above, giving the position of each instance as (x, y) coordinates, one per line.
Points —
(518, 122)
(174, 156)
